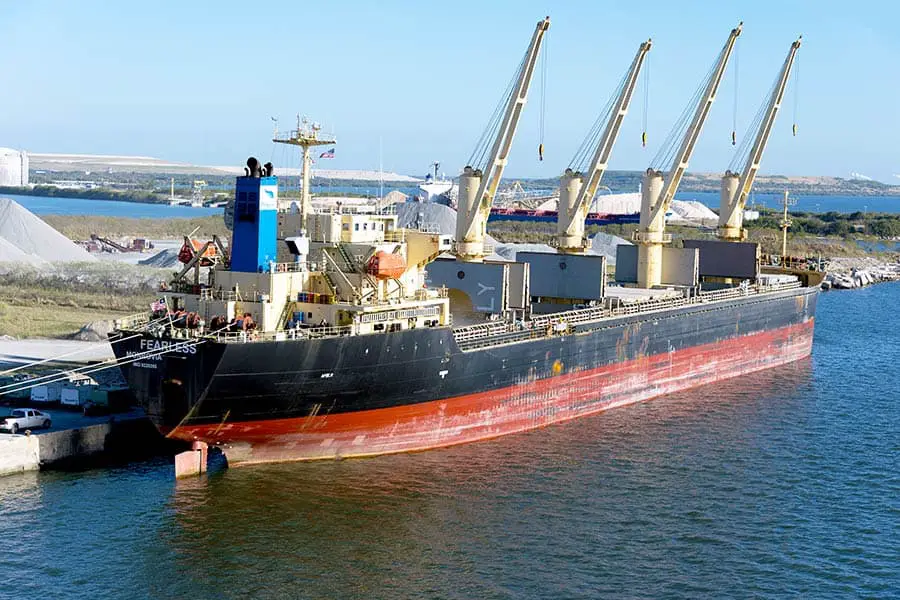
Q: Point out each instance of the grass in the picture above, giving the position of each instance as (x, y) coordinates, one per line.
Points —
(38, 296)
(48, 321)
(59, 301)
(80, 227)
(799, 244)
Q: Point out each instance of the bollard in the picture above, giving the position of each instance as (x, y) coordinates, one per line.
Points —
(191, 462)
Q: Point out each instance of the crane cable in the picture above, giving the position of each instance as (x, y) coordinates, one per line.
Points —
(67, 354)
(737, 73)
(479, 155)
(107, 364)
(545, 58)
(646, 101)
(796, 92)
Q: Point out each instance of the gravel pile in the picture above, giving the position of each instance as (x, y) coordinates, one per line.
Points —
(606, 244)
(601, 243)
(430, 216)
(24, 233)
(163, 260)
(693, 211)
(690, 211)
(12, 254)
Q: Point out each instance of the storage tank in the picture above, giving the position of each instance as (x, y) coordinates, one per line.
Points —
(13, 167)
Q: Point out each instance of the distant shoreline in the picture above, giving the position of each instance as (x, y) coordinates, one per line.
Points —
(49, 191)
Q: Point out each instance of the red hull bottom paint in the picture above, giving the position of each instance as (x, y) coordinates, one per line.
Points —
(529, 405)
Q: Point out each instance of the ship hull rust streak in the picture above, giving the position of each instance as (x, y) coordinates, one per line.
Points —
(515, 409)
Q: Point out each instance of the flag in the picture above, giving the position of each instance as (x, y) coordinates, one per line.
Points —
(327, 154)
(158, 305)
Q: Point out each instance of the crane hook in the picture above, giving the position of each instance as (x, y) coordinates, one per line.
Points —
(540, 152)
(643, 139)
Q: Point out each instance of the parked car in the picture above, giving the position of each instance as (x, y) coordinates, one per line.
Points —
(25, 418)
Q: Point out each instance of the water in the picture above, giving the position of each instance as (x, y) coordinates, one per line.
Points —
(783, 484)
(77, 206)
(808, 202)
(107, 208)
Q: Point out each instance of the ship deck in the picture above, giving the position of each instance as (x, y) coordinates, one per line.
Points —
(495, 333)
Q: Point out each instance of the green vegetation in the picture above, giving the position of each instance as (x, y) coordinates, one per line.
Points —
(49, 321)
(100, 193)
(830, 235)
(58, 301)
(881, 225)
(82, 226)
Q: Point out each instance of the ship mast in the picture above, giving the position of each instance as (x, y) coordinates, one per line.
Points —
(307, 135)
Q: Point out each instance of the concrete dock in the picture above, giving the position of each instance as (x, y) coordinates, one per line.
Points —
(75, 440)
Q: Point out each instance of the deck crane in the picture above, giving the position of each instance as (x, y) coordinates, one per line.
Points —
(657, 193)
(736, 187)
(574, 196)
(478, 184)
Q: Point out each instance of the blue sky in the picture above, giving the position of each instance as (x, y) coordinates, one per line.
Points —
(199, 81)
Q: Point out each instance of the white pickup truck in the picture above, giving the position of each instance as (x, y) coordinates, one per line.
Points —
(24, 418)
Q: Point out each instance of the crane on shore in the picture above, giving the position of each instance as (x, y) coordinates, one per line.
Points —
(736, 187)
(574, 196)
(479, 180)
(656, 192)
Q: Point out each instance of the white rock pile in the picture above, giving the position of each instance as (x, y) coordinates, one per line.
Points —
(26, 239)
(850, 273)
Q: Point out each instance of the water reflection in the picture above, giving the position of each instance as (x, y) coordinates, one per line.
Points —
(432, 523)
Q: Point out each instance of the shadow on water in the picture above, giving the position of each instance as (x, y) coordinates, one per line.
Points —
(495, 519)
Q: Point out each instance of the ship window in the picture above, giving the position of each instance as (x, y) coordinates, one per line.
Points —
(356, 227)
(378, 327)
(365, 226)
(245, 209)
(346, 227)
(309, 315)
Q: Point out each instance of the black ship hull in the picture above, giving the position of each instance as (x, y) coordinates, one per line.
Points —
(365, 395)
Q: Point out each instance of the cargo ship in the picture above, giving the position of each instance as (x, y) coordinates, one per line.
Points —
(336, 334)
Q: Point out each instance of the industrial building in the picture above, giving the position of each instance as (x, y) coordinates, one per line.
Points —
(13, 167)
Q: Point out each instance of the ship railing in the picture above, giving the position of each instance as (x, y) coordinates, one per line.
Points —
(287, 267)
(303, 333)
(740, 291)
(395, 235)
(431, 293)
(132, 322)
(501, 332)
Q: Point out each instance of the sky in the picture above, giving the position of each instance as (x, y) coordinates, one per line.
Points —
(404, 84)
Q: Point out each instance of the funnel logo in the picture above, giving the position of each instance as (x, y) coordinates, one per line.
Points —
(268, 197)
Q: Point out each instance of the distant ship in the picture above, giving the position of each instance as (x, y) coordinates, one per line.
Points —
(435, 188)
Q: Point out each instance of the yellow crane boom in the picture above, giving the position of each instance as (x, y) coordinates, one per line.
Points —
(736, 187)
(574, 196)
(657, 193)
(477, 186)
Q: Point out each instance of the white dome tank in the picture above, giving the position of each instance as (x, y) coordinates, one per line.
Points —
(13, 167)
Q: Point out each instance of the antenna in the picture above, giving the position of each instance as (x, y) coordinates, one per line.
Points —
(785, 224)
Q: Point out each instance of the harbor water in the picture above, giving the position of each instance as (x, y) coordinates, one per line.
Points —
(58, 205)
(782, 483)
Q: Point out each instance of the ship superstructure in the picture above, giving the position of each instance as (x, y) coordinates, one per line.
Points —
(350, 272)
